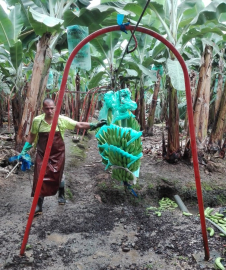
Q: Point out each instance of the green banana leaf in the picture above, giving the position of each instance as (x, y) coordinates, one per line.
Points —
(16, 54)
(24, 7)
(200, 32)
(57, 59)
(97, 62)
(93, 17)
(216, 49)
(176, 74)
(96, 79)
(42, 4)
(111, 39)
(132, 64)
(118, 4)
(4, 87)
(131, 72)
(188, 10)
(25, 4)
(98, 45)
(137, 10)
(214, 12)
(160, 14)
(6, 29)
(148, 72)
(158, 49)
(16, 20)
(193, 62)
(43, 23)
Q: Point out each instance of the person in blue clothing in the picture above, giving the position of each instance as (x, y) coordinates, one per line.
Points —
(40, 129)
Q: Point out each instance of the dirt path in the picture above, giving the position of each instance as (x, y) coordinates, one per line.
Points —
(102, 227)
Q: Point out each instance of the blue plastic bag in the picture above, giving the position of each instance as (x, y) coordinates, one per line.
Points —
(75, 34)
(25, 159)
(120, 103)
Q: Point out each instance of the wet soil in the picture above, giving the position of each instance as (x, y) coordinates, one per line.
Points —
(104, 226)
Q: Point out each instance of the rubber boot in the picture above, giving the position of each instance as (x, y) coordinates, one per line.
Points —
(38, 209)
(61, 196)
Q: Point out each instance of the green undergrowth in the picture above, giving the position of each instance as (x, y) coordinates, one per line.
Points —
(69, 194)
(77, 151)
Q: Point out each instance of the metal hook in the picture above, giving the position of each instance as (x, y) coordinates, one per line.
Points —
(135, 39)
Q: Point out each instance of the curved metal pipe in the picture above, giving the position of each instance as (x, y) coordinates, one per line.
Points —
(180, 203)
(190, 120)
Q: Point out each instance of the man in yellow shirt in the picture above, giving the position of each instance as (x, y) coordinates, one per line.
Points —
(41, 126)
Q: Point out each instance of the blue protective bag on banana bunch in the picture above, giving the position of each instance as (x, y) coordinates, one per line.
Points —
(75, 34)
(122, 148)
(120, 103)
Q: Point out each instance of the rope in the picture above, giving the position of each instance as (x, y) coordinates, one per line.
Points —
(132, 34)
(130, 188)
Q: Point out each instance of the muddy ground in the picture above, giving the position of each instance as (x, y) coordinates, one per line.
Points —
(105, 227)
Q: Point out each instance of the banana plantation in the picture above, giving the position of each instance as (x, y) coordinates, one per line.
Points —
(124, 182)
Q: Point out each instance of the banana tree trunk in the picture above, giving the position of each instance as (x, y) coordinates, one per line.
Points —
(1, 113)
(201, 106)
(217, 132)
(220, 83)
(193, 78)
(122, 82)
(163, 103)
(17, 109)
(173, 147)
(151, 116)
(142, 109)
(77, 97)
(41, 94)
(212, 105)
(66, 100)
(38, 85)
(137, 100)
(86, 110)
(187, 149)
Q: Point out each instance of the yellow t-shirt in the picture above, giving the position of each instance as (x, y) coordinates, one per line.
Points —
(40, 125)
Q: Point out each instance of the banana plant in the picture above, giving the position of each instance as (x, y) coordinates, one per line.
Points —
(12, 66)
(42, 18)
(181, 23)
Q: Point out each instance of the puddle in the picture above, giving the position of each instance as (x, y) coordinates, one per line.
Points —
(58, 238)
(193, 210)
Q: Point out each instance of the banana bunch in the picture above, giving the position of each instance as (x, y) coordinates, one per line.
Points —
(135, 147)
(134, 166)
(115, 150)
(164, 204)
(217, 218)
(118, 137)
(109, 119)
(115, 136)
(120, 160)
(132, 123)
(121, 175)
(118, 123)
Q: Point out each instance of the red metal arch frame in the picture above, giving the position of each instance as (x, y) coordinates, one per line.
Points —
(190, 119)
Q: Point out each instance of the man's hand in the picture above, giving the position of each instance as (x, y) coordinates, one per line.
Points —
(101, 123)
(26, 147)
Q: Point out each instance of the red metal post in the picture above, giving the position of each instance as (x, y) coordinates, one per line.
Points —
(190, 120)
